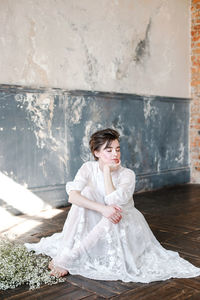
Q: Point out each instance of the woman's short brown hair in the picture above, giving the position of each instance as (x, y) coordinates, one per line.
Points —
(100, 137)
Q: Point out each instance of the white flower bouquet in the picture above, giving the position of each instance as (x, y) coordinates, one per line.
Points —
(18, 266)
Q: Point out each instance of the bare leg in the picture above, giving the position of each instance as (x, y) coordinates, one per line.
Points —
(57, 271)
(86, 245)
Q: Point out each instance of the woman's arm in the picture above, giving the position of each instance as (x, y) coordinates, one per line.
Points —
(109, 187)
(123, 191)
(109, 211)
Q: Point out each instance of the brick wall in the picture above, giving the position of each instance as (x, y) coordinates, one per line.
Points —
(195, 92)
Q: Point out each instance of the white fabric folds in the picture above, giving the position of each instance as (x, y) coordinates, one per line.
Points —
(91, 246)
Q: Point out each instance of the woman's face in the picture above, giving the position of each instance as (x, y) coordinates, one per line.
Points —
(109, 155)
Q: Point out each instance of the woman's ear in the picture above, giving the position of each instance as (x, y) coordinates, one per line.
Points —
(96, 153)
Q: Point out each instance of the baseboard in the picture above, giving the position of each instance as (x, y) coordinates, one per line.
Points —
(152, 181)
(55, 196)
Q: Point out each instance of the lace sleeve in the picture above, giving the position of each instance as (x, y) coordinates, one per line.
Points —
(80, 179)
(124, 189)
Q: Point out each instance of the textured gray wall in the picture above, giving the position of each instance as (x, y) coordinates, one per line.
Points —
(126, 46)
(44, 136)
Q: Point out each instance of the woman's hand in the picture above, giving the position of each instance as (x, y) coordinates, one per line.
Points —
(112, 167)
(112, 212)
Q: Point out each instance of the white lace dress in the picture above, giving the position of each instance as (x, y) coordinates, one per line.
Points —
(91, 246)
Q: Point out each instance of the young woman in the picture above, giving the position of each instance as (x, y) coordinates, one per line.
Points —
(105, 237)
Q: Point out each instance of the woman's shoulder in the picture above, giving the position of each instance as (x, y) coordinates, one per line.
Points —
(86, 169)
(126, 171)
(89, 165)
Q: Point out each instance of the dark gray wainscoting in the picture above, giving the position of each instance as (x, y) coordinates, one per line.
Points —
(44, 136)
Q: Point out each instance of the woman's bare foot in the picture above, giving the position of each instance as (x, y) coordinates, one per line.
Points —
(57, 271)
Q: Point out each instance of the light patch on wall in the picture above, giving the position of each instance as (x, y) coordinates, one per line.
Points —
(135, 141)
(158, 162)
(96, 111)
(12, 175)
(119, 125)
(90, 128)
(43, 165)
(19, 197)
(150, 111)
(181, 150)
(32, 68)
(40, 111)
(75, 110)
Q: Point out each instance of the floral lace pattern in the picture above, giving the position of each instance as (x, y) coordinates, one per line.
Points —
(91, 246)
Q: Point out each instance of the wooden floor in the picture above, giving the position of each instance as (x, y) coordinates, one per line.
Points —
(173, 215)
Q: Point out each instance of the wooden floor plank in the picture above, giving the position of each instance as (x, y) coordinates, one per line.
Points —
(190, 282)
(95, 297)
(168, 291)
(119, 287)
(58, 292)
(95, 286)
(184, 244)
(173, 215)
(193, 259)
(195, 297)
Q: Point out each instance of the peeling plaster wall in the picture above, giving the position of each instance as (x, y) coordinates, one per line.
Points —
(131, 46)
(124, 49)
(44, 135)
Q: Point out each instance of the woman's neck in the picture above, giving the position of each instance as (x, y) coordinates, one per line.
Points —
(100, 165)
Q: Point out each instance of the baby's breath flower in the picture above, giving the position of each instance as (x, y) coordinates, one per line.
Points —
(18, 266)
